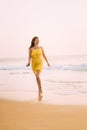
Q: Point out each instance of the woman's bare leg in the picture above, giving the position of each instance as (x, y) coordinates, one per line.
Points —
(38, 82)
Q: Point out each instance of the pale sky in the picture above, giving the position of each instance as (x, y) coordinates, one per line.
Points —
(60, 24)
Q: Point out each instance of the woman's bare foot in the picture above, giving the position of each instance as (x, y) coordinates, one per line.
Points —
(40, 97)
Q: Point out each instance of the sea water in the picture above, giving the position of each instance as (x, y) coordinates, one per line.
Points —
(65, 81)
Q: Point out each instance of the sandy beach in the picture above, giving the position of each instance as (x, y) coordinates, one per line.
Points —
(18, 115)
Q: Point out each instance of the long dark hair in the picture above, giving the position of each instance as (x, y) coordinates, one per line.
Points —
(32, 41)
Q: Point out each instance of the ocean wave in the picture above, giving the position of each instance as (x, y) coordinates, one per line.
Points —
(79, 67)
(14, 68)
(64, 82)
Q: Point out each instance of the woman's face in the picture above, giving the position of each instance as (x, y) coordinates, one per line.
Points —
(36, 42)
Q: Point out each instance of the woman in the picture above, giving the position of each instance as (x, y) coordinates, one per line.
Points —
(36, 54)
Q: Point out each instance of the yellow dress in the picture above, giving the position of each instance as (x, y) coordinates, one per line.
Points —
(36, 60)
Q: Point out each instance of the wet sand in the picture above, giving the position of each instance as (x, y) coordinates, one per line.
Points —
(19, 115)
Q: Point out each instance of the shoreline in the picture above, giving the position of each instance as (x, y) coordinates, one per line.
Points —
(45, 98)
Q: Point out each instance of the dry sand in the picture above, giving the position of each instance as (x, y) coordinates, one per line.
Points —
(36, 116)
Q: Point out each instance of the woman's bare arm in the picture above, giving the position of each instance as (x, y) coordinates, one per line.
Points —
(29, 57)
(45, 57)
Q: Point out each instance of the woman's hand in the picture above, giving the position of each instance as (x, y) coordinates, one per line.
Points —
(28, 65)
(48, 64)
